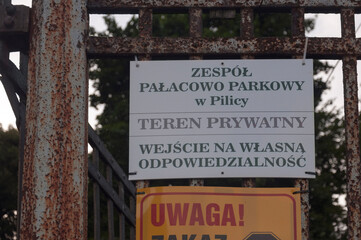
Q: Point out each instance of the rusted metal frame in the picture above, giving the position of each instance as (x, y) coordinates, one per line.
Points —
(247, 18)
(145, 32)
(195, 31)
(110, 205)
(353, 171)
(121, 216)
(132, 203)
(332, 48)
(195, 27)
(130, 6)
(54, 201)
(145, 22)
(111, 193)
(353, 163)
(107, 157)
(247, 32)
(96, 197)
(298, 30)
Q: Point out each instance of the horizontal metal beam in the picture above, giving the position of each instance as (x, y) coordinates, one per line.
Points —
(323, 48)
(132, 6)
(109, 191)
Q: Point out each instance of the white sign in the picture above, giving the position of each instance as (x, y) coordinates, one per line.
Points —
(221, 118)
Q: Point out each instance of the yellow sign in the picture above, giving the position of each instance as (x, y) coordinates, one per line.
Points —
(210, 213)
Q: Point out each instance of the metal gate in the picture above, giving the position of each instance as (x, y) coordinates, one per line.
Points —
(54, 199)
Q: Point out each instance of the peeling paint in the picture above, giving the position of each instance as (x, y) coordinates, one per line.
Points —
(54, 204)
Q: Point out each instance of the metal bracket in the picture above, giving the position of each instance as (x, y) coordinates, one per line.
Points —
(14, 26)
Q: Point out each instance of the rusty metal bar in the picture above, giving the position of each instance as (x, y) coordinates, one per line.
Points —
(121, 216)
(352, 148)
(195, 27)
(107, 157)
(247, 17)
(351, 130)
(303, 184)
(247, 32)
(145, 32)
(54, 201)
(109, 191)
(348, 23)
(145, 22)
(324, 48)
(298, 30)
(96, 197)
(132, 203)
(195, 31)
(127, 6)
(298, 22)
(110, 206)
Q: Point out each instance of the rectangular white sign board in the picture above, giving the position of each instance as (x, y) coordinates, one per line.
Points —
(221, 118)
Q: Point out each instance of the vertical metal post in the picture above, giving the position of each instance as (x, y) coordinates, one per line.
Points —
(195, 30)
(247, 32)
(195, 27)
(352, 148)
(54, 201)
(298, 30)
(110, 205)
(96, 198)
(352, 131)
(121, 215)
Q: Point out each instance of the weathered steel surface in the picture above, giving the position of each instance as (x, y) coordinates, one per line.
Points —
(54, 202)
(352, 148)
(317, 47)
(352, 131)
(247, 26)
(145, 22)
(303, 184)
(131, 6)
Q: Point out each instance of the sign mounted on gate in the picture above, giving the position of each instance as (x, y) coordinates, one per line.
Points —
(221, 118)
(209, 213)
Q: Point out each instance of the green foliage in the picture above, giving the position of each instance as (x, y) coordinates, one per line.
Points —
(272, 24)
(9, 141)
(170, 25)
(111, 80)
